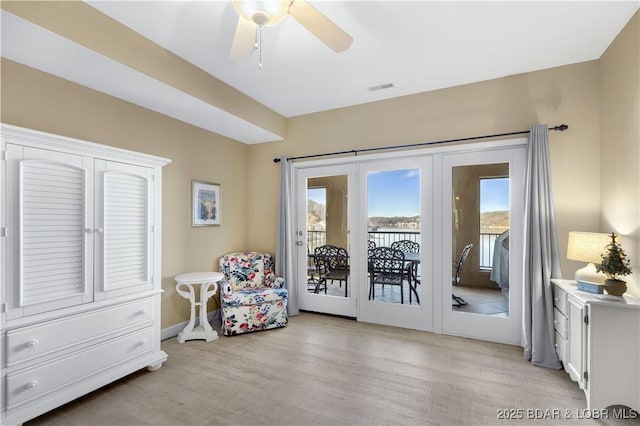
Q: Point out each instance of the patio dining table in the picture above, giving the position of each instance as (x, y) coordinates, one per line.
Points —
(414, 258)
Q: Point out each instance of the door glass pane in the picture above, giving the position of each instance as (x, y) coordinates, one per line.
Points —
(328, 270)
(393, 237)
(316, 217)
(480, 255)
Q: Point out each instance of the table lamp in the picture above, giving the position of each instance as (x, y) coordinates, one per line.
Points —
(588, 247)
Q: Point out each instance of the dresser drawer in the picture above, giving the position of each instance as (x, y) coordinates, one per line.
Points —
(25, 385)
(26, 343)
(560, 300)
(561, 347)
(560, 323)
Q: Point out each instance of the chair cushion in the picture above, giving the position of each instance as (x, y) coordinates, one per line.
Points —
(388, 278)
(254, 296)
(246, 274)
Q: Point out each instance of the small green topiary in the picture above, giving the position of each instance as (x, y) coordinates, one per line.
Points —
(614, 263)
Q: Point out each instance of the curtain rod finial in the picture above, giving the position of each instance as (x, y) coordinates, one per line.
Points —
(561, 127)
(276, 160)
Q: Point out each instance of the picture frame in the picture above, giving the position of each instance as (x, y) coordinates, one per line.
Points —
(206, 206)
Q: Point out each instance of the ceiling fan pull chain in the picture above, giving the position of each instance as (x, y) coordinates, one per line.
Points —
(259, 45)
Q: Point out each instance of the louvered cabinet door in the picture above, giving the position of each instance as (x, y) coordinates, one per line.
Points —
(124, 215)
(49, 233)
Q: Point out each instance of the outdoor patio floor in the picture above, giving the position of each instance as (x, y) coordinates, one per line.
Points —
(479, 300)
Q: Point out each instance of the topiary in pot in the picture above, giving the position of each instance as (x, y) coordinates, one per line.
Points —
(614, 264)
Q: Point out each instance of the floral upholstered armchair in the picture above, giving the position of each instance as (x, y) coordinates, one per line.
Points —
(252, 297)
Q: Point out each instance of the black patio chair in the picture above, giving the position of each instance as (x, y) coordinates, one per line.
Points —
(332, 264)
(370, 245)
(459, 301)
(387, 267)
(312, 278)
(408, 246)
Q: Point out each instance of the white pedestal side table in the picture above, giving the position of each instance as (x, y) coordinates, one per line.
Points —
(185, 286)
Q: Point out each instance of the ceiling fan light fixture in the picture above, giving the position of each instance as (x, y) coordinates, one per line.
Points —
(262, 12)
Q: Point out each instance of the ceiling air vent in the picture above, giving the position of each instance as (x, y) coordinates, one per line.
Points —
(381, 87)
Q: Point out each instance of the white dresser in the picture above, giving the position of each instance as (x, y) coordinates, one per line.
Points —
(598, 342)
(81, 272)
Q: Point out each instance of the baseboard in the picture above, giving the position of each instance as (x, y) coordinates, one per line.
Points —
(174, 330)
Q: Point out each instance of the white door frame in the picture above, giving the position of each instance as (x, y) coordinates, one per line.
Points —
(345, 306)
(418, 317)
(485, 327)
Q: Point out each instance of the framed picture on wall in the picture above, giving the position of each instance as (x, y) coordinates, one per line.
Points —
(205, 203)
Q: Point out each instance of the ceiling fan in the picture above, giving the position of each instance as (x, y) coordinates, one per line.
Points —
(257, 14)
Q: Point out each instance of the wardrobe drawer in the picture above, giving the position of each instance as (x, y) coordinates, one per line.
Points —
(560, 323)
(560, 300)
(25, 343)
(25, 385)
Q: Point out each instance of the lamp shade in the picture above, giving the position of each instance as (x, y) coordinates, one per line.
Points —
(587, 246)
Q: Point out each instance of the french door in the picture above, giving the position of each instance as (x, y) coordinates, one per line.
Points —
(454, 213)
(481, 210)
(325, 217)
(395, 218)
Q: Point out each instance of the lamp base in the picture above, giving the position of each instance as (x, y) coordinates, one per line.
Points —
(589, 273)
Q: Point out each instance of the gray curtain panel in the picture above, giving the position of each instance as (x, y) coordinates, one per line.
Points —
(542, 258)
(285, 248)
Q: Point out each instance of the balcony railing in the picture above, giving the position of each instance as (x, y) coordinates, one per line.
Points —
(381, 238)
(386, 238)
(316, 239)
(487, 244)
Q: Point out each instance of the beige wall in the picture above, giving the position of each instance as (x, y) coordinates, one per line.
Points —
(568, 94)
(40, 101)
(620, 143)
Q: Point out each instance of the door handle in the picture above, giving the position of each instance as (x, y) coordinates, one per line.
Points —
(299, 243)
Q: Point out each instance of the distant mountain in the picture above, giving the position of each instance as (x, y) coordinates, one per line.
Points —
(404, 222)
(316, 214)
(494, 222)
(499, 218)
(490, 222)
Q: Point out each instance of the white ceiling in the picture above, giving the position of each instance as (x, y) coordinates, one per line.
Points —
(416, 45)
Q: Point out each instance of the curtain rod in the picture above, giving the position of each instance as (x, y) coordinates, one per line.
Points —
(561, 128)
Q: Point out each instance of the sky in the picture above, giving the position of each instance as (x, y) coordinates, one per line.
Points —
(394, 193)
(397, 193)
(317, 194)
(494, 195)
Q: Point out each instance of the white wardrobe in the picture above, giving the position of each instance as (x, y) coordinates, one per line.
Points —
(80, 272)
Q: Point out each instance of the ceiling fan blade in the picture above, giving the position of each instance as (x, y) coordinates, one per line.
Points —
(244, 40)
(320, 26)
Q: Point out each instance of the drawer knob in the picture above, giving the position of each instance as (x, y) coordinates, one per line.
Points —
(31, 385)
(141, 312)
(32, 343)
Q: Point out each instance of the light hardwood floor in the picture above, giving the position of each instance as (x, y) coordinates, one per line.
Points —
(323, 370)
